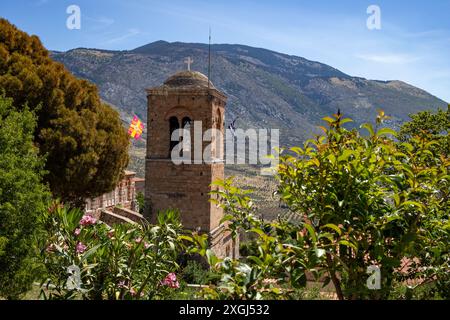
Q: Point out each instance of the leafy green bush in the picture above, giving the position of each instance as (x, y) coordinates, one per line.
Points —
(365, 201)
(128, 261)
(22, 198)
(426, 291)
(196, 273)
(273, 271)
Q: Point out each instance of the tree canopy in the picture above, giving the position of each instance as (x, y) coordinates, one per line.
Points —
(434, 125)
(85, 144)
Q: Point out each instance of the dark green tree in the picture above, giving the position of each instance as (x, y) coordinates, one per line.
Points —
(22, 197)
(83, 139)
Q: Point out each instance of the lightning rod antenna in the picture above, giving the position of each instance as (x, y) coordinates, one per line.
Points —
(209, 59)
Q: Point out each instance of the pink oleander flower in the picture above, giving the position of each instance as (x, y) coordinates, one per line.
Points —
(171, 281)
(80, 247)
(87, 220)
(138, 240)
(146, 245)
(175, 285)
(172, 277)
(77, 232)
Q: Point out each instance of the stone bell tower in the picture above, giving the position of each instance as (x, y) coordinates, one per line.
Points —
(187, 100)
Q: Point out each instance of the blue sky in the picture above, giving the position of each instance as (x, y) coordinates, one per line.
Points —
(413, 44)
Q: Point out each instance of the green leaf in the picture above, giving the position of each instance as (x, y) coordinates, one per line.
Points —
(393, 218)
(408, 146)
(418, 205)
(211, 257)
(328, 119)
(258, 231)
(386, 131)
(345, 155)
(227, 217)
(396, 199)
(327, 235)
(334, 227)
(90, 252)
(311, 231)
(256, 260)
(369, 128)
(315, 161)
(297, 150)
(346, 120)
(348, 244)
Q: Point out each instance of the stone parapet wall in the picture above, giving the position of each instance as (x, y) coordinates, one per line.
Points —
(111, 218)
(129, 214)
(222, 244)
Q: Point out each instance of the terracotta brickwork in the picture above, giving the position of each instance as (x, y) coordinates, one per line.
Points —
(184, 98)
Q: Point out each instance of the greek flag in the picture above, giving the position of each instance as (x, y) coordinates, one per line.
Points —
(232, 127)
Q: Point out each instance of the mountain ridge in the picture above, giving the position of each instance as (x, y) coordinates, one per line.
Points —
(265, 88)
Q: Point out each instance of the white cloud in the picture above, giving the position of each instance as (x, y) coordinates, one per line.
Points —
(41, 2)
(388, 58)
(100, 22)
(104, 21)
(130, 33)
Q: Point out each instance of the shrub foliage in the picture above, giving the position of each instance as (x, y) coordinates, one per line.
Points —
(23, 198)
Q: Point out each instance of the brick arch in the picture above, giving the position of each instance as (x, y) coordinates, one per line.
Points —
(178, 112)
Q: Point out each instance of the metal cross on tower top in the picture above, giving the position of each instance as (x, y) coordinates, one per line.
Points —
(189, 60)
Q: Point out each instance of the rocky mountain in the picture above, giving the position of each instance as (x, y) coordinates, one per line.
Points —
(266, 89)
